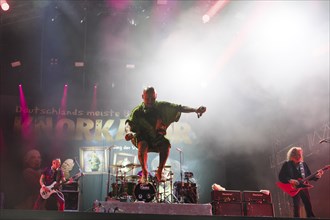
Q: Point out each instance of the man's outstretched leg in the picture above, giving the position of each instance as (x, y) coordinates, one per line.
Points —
(164, 151)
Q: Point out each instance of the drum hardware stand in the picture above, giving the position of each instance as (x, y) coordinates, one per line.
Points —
(192, 196)
(180, 199)
(157, 193)
(159, 200)
(109, 170)
(116, 185)
(124, 185)
(176, 200)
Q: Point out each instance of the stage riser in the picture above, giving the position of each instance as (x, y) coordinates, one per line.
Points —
(153, 208)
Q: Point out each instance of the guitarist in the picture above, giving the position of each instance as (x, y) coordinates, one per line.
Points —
(146, 128)
(294, 169)
(50, 175)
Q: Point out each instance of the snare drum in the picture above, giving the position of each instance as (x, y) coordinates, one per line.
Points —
(144, 192)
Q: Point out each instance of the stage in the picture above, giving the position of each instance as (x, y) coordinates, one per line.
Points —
(140, 210)
(12, 214)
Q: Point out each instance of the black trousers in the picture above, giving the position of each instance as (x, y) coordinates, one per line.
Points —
(303, 196)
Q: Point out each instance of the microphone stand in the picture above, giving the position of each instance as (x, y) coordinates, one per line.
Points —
(80, 188)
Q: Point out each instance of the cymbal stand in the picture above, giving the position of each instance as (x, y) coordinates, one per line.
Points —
(180, 199)
(109, 170)
(124, 185)
(116, 185)
(171, 190)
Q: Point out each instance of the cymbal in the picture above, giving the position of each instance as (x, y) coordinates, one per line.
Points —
(165, 167)
(133, 177)
(120, 177)
(117, 165)
(133, 165)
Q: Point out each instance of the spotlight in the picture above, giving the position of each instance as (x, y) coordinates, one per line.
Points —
(53, 61)
(161, 2)
(216, 8)
(4, 5)
(206, 18)
(79, 64)
(130, 66)
(16, 64)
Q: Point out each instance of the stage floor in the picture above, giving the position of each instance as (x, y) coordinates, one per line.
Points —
(12, 214)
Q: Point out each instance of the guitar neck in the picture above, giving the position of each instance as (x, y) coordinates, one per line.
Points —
(73, 177)
(314, 174)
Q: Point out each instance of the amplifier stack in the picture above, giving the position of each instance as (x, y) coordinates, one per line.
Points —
(257, 203)
(241, 203)
(227, 203)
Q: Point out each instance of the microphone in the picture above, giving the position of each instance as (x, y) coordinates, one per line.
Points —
(113, 146)
(325, 140)
(178, 149)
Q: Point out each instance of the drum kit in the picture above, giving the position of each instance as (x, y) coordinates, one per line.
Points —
(129, 188)
(124, 184)
(186, 190)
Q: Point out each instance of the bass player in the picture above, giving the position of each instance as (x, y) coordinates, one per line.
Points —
(291, 172)
(52, 176)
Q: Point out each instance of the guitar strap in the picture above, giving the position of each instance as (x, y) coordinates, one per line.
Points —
(302, 170)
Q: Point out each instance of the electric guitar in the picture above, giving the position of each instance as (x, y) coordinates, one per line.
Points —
(293, 190)
(53, 188)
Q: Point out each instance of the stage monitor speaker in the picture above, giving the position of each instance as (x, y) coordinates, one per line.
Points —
(258, 209)
(71, 200)
(227, 208)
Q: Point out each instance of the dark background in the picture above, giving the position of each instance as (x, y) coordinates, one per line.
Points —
(260, 67)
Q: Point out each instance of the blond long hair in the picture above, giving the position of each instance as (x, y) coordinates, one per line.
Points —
(293, 152)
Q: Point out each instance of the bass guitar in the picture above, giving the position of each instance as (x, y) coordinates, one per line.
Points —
(293, 190)
(53, 188)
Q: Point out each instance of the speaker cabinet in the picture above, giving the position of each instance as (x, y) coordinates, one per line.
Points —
(227, 208)
(2, 200)
(227, 196)
(258, 209)
(256, 197)
(71, 200)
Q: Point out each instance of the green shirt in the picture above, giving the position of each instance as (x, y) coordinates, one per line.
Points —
(147, 123)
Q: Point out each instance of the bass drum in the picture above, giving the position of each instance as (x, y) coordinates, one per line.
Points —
(144, 192)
